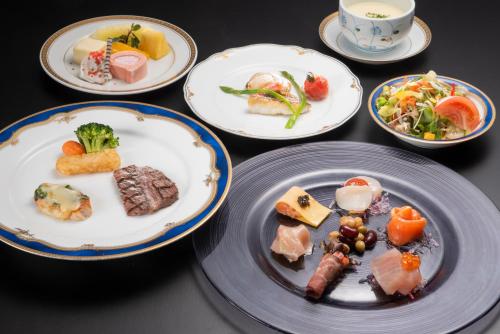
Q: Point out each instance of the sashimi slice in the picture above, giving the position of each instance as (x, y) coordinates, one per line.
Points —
(292, 242)
(354, 198)
(391, 276)
(461, 111)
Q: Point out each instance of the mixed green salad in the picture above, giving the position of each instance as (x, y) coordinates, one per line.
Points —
(427, 107)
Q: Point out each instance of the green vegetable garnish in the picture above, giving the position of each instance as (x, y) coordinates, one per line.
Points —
(427, 115)
(130, 38)
(264, 91)
(40, 193)
(387, 111)
(381, 101)
(96, 137)
(303, 100)
(295, 111)
(376, 15)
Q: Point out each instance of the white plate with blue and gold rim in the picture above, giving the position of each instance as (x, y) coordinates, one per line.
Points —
(483, 103)
(56, 56)
(417, 41)
(183, 149)
(234, 67)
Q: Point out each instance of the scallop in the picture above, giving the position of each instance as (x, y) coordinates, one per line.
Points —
(374, 185)
(354, 198)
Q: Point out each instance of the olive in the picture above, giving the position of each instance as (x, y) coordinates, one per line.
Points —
(346, 240)
(344, 219)
(370, 238)
(360, 246)
(351, 223)
(333, 235)
(358, 222)
(362, 229)
(360, 236)
(348, 231)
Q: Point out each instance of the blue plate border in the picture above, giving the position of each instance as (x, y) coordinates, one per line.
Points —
(223, 164)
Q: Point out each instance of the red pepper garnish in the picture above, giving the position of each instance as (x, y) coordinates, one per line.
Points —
(452, 92)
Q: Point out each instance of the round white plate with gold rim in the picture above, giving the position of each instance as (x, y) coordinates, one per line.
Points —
(234, 67)
(56, 56)
(417, 41)
(183, 149)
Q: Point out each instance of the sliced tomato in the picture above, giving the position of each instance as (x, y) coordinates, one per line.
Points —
(461, 111)
(355, 182)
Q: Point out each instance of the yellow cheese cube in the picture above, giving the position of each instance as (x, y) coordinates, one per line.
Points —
(313, 214)
(153, 43)
(85, 46)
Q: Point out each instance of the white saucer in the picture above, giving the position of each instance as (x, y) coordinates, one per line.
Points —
(417, 41)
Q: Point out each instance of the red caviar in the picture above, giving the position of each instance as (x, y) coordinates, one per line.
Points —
(410, 261)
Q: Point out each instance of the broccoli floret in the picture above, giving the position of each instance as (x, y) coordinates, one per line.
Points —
(96, 137)
(40, 193)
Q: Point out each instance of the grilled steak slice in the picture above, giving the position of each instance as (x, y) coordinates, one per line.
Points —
(144, 189)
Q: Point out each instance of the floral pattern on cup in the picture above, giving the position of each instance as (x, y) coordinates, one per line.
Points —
(374, 34)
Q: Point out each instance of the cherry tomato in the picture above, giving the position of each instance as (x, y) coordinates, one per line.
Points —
(355, 182)
(316, 87)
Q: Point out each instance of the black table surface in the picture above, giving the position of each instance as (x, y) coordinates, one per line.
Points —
(165, 291)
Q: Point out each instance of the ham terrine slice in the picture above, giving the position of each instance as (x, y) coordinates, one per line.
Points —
(129, 66)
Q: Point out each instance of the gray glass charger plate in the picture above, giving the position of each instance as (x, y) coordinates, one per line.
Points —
(462, 273)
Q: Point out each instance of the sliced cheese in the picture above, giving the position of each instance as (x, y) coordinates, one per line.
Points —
(63, 195)
(313, 214)
(84, 47)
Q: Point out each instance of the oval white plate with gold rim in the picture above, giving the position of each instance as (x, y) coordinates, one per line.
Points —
(417, 41)
(234, 67)
(183, 149)
(56, 56)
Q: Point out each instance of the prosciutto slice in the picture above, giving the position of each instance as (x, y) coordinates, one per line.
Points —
(292, 242)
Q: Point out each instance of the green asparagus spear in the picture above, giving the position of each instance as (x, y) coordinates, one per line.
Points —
(303, 100)
(264, 91)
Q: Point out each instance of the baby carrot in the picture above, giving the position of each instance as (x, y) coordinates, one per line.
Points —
(72, 147)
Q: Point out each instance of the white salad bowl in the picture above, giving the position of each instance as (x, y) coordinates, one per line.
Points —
(376, 34)
(483, 103)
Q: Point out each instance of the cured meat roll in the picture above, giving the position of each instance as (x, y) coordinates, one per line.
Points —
(330, 268)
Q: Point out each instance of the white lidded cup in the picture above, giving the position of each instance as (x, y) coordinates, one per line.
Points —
(376, 25)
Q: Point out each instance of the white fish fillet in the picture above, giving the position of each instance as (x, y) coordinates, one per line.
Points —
(354, 198)
(292, 242)
(391, 276)
(265, 105)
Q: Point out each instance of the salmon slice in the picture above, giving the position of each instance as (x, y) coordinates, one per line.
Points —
(292, 242)
(461, 111)
(405, 226)
(391, 276)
